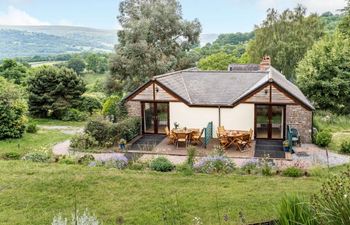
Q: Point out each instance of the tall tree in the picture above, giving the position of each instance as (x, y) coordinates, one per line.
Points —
(53, 90)
(220, 61)
(285, 37)
(344, 25)
(153, 40)
(77, 64)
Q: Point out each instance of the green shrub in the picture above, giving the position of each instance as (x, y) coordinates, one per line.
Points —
(74, 115)
(137, 166)
(11, 156)
(86, 159)
(32, 128)
(250, 167)
(37, 157)
(324, 138)
(99, 129)
(191, 155)
(293, 172)
(67, 160)
(345, 147)
(161, 164)
(265, 166)
(128, 128)
(114, 109)
(90, 103)
(186, 169)
(332, 204)
(83, 142)
(294, 210)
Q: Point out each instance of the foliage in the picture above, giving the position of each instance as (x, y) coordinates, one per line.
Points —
(90, 103)
(265, 166)
(285, 38)
(86, 159)
(38, 156)
(345, 147)
(233, 38)
(344, 25)
(292, 172)
(128, 128)
(119, 162)
(77, 64)
(13, 71)
(218, 150)
(74, 115)
(324, 138)
(330, 21)
(215, 164)
(11, 156)
(12, 110)
(326, 67)
(191, 155)
(250, 167)
(31, 128)
(218, 61)
(77, 219)
(185, 169)
(332, 204)
(52, 90)
(295, 210)
(161, 164)
(68, 160)
(137, 166)
(114, 109)
(96, 62)
(83, 142)
(154, 39)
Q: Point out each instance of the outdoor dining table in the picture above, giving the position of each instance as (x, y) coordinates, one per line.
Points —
(233, 136)
(184, 131)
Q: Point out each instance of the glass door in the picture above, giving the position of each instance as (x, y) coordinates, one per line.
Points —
(269, 121)
(262, 121)
(155, 117)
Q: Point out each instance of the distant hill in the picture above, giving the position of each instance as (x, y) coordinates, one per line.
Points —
(21, 41)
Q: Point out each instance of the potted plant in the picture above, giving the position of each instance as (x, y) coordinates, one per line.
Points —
(176, 125)
(122, 143)
(286, 146)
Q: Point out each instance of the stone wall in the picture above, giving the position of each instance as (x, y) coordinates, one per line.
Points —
(134, 108)
(300, 118)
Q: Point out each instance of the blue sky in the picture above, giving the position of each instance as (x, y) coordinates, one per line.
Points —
(216, 16)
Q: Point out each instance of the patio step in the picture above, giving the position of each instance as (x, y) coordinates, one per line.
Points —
(273, 148)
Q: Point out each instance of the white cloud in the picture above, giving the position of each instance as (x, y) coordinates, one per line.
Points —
(15, 16)
(318, 6)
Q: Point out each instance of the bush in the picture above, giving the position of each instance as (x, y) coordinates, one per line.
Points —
(266, 167)
(137, 166)
(215, 164)
(128, 128)
(90, 103)
(294, 210)
(250, 167)
(324, 138)
(11, 156)
(292, 172)
(191, 155)
(67, 160)
(37, 157)
(345, 147)
(86, 159)
(161, 164)
(74, 115)
(114, 109)
(32, 128)
(332, 204)
(83, 142)
(119, 162)
(185, 168)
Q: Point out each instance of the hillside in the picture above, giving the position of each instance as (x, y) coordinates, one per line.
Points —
(20, 41)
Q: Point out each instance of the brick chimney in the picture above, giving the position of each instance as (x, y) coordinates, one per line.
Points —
(265, 63)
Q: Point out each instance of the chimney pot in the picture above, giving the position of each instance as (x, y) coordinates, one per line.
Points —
(265, 63)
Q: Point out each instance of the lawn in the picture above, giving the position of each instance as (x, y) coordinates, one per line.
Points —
(51, 122)
(339, 125)
(34, 193)
(92, 78)
(31, 142)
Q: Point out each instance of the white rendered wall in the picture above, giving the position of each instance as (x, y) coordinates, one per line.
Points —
(240, 117)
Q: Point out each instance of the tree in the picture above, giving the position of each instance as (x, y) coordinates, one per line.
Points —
(344, 26)
(285, 37)
(53, 90)
(13, 108)
(218, 61)
(76, 64)
(324, 74)
(13, 71)
(234, 38)
(153, 40)
(97, 63)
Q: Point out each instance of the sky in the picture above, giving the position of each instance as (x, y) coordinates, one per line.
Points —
(216, 16)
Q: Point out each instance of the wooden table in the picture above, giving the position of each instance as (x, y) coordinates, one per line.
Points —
(233, 136)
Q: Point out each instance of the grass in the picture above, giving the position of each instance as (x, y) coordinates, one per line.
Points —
(51, 122)
(339, 125)
(30, 142)
(34, 193)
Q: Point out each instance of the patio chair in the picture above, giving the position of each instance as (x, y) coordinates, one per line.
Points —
(181, 138)
(221, 131)
(197, 137)
(295, 136)
(245, 140)
(171, 136)
(224, 141)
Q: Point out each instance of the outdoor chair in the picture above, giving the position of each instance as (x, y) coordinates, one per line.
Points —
(295, 136)
(245, 140)
(181, 138)
(197, 137)
(224, 141)
(221, 131)
(171, 136)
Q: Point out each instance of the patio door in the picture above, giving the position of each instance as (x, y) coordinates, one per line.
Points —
(155, 117)
(269, 121)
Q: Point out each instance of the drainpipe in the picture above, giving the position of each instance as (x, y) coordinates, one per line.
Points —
(219, 110)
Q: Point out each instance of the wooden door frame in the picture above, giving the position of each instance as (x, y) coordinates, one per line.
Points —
(269, 131)
(155, 116)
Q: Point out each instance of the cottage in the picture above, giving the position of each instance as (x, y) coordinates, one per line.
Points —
(254, 96)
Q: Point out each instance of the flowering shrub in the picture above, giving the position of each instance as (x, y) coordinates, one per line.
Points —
(215, 164)
(118, 161)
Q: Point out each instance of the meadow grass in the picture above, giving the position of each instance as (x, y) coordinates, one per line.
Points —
(52, 122)
(33, 193)
(31, 142)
